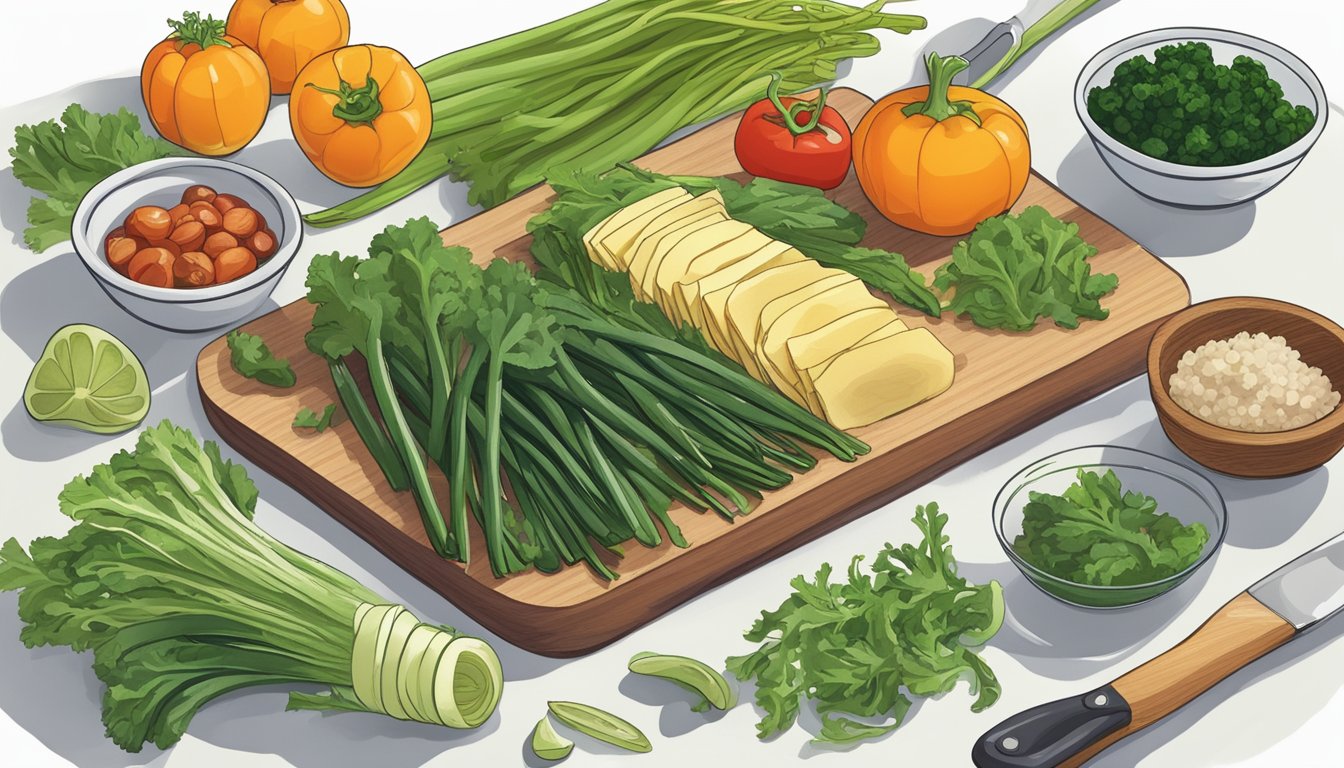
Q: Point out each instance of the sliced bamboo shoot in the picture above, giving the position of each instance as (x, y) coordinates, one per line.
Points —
(806, 316)
(620, 217)
(868, 383)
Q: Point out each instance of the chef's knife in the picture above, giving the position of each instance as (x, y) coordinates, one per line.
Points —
(1070, 731)
(1008, 40)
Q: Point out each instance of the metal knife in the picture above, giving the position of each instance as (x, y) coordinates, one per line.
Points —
(1071, 731)
(1008, 40)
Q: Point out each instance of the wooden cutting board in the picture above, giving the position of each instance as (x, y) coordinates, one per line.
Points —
(1005, 383)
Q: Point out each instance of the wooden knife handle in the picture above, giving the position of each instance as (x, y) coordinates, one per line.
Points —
(1069, 732)
(1239, 633)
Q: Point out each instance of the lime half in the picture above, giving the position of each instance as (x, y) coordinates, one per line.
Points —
(87, 379)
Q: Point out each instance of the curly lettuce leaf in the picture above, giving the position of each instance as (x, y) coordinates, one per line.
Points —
(62, 161)
(1098, 533)
(851, 647)
(1016, 269)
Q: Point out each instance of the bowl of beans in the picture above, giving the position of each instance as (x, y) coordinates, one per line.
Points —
(187, 244)
(1249, 386)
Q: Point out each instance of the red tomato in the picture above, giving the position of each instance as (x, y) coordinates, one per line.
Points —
(794, 140)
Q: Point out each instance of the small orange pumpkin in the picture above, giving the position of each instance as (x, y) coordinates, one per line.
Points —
(361, 114)
(940, 158)
(289, 33)
(204, 90)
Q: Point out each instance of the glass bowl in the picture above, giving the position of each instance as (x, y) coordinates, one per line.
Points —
(1180, 492)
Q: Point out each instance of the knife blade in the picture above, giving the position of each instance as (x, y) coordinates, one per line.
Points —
(1068, 732)
(1007, 41)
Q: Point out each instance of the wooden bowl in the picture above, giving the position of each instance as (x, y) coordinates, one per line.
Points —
(1248, 454)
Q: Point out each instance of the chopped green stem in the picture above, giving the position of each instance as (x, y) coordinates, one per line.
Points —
(459, 471)
(385, 395)
(356, 106)
(789, 115)
(492, 495)
(370, 431)
(938, 104)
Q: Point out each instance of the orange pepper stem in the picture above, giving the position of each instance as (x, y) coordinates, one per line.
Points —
(203, 32)
(789, 115)
(938, 105)
(357, 106)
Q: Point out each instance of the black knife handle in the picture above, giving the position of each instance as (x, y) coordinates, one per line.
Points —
(1045, 736)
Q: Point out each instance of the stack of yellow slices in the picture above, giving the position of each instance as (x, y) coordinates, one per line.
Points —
(814, 333)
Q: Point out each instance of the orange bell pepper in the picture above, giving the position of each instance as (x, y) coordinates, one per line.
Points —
(941, 158)
(203, 89)
(361, 114)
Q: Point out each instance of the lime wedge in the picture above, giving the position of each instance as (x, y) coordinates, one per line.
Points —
(87, 379)
(547, 743)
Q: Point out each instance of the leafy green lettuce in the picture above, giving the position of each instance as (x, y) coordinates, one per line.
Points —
(852, 646)
(179, 595)
(1098, 533)
(63, 161)
(1016, 268)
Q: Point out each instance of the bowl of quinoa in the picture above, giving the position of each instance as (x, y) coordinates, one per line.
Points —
(1250, 386)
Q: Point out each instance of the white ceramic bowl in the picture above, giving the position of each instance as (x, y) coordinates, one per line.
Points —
(1203, 186)
(161, 182)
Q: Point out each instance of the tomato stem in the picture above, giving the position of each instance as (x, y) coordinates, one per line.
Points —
(938, 105)
(203, 32)
(789, 115)
(357, 106)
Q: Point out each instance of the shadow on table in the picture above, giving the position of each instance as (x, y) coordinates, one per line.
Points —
(53, 694)
(1273, 725)
(677, 718)
(1164, 230)
(255, 722)
(62, 278)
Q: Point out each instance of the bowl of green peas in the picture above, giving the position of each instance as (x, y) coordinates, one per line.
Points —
(1200, 118)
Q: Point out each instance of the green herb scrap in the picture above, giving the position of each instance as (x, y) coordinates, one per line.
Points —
(252, 358)
(1183, 108)
(1097, 533)
(1014, 269)
(851, 647)
(63, 161)
(306, 418)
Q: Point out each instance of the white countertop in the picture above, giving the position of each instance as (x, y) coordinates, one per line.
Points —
(1283, 710)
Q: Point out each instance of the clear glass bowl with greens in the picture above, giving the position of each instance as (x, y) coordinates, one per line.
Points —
(1178, 491)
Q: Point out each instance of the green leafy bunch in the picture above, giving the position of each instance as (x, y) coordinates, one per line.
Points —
(1014, 269)
(852, 646)
(1097, 533)
(1183, 108)
(62, 161)
(433, 307)
(178, 594)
